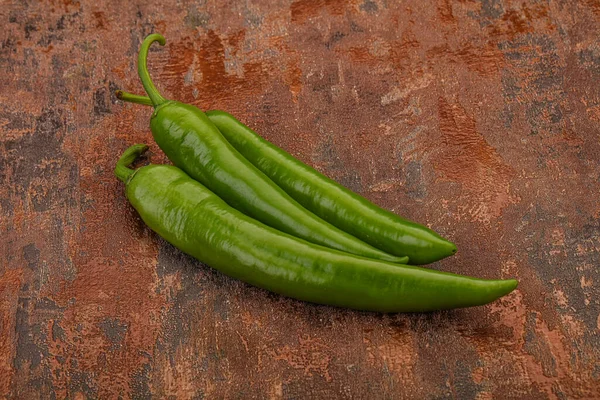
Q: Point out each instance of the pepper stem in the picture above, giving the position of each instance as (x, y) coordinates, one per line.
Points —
(121, 171)
(156, 98)
(133, 98)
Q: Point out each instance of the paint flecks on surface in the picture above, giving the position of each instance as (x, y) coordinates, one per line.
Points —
(310, 357)
(397, 93)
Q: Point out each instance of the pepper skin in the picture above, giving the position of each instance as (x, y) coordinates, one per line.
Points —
(195, 145)
(331, 201)
(326, 198)
(199, 223)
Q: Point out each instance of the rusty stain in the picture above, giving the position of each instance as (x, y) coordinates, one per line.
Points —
(302, 9)
(515, 22)
(445, 12)
(293, 78)
(100, 21)
(473, 117)
(466, 158)
(210, 83)
(594, 5)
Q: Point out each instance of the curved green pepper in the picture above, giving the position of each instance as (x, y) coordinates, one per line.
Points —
(326, 198)
(331, 201)
(194, 144)
(199, 223)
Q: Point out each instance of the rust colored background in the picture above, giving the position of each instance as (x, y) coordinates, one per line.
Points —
(478, 118)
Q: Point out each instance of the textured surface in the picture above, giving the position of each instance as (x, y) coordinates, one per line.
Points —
(478, 118)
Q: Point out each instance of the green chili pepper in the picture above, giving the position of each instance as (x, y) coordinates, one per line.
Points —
(325, 197)
(198, 222)
(331, 201)
(195, 145)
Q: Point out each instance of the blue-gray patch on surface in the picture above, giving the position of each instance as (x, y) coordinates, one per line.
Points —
(115, 331)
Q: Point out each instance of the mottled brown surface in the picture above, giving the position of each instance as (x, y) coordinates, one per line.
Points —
(478, 118)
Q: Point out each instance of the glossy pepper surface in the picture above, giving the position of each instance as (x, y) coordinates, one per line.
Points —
(326, 198)
(195, 220)
(331, 201)
(194, 144)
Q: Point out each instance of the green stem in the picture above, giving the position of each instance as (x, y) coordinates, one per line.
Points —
(133, 98)
(121, 171)
(156, 98)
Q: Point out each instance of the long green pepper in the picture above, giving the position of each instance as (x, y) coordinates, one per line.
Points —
(194, 144)
(198, 222)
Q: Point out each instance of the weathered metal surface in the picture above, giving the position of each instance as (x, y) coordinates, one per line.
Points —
(477, 118)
